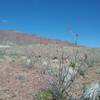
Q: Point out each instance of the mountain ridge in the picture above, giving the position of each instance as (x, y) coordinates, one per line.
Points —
(25, 38)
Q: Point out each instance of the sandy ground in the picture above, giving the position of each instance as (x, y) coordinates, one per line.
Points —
(17, 83)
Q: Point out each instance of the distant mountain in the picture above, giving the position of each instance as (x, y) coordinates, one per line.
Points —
(14, 37)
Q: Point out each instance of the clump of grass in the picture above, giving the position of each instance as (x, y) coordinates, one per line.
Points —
(27, 63)
(2, 53)
(44, 95)
(20, 77)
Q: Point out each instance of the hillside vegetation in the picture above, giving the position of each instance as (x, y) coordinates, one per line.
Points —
(36, 68)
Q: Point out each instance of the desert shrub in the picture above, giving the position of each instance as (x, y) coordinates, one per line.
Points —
(63, 77)
(91, 91)
(27, 62)
(98, 71)
(2, 53)
(90, 62)
(62, 81)
(81, 72)
(89, 58)
(82, 69)
(44, 95)
(20, 77)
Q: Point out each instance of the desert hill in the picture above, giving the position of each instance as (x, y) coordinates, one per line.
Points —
(12, 36)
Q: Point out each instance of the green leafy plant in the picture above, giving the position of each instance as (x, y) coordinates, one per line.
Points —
(44, 95)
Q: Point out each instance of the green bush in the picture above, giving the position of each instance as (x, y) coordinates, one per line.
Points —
(45, 95)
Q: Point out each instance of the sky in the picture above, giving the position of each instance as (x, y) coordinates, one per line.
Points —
(57, 19)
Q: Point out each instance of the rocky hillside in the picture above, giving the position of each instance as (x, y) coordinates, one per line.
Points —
(14, 37)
